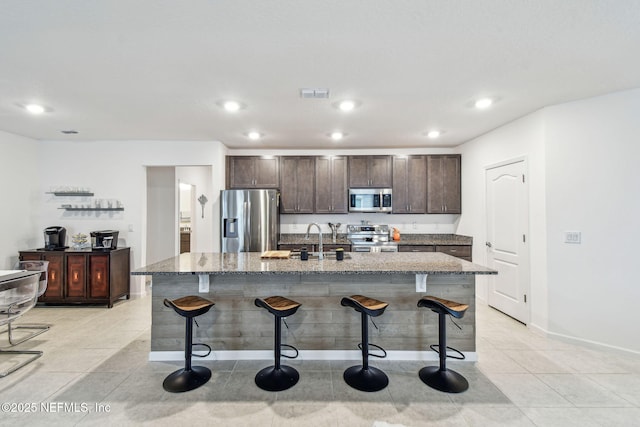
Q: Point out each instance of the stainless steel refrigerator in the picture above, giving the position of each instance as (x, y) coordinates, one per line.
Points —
(250, 220)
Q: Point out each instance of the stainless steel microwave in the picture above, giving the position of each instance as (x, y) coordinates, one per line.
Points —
(370, 200)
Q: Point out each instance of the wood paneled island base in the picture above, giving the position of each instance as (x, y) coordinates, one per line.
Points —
(321, 329)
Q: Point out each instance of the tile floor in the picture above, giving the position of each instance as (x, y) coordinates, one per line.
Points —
(94, 371)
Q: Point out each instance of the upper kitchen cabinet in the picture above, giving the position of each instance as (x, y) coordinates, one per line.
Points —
(443, 184)
(331, 184)
(297, 189)
(369, 171)
(253, 172)
(410, 184)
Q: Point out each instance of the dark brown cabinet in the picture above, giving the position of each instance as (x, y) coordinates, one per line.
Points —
(253, 172)
(185, 242)
(331, 184)
(85, 276)
(443, 184)
(460, 251)
(370, 171)
(410, 184)
(76, 277)
(297, 184)
(416, 248)
(55, 279)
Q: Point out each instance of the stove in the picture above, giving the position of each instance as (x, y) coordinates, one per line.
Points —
(370, 238)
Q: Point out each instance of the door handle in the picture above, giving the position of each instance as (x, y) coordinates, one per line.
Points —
(488, 244)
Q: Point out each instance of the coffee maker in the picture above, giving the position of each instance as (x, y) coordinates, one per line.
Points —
(55, 238)
(104, 239)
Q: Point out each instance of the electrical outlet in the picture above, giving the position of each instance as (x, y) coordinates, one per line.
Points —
(421, 283)
(415, 226)
(572, 237)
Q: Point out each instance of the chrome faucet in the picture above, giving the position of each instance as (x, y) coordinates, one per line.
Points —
(334, 231)
(320, 256)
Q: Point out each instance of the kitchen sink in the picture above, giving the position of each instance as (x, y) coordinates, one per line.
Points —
(314, 255)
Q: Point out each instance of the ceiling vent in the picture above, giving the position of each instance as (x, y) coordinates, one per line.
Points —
(314, 93)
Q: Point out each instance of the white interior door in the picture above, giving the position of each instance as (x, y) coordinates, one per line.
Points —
(507, 239)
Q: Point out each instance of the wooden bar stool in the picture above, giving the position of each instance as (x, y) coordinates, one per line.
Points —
(439, 377)
(278, 377)
(189, 377)
(364, 377)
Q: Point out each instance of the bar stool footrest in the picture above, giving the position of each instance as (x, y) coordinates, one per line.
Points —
(290, 347)
(183, 380)
(371, 379)
(436, 348)
(277, 379)
(444, 380)
(380, 356)
(204, 345)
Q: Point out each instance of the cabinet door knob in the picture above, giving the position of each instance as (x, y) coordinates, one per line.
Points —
(488, 244)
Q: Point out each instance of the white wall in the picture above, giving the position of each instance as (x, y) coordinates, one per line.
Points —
(20, 175)
(162, 240)
(594, 187)
(69, 163)
(202, 236)
(521, 138)
(583, 176)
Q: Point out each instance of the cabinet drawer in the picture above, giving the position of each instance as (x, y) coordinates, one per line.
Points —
(459, 251)
(416, 248)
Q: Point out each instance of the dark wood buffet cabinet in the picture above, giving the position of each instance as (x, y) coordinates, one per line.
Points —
(84, 276)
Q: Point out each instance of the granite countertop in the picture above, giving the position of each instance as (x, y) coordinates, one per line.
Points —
(359, 263)
(405, 239)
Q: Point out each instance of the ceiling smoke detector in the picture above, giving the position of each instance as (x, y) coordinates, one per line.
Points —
(314, 93)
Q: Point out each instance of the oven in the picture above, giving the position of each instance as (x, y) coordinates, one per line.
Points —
(370, 238)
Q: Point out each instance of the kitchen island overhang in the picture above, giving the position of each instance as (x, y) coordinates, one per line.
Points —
(321, 329)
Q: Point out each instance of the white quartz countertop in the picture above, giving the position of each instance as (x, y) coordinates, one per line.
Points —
(359, 263)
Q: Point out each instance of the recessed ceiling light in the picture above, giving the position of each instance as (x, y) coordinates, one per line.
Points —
(434, 134)
(483, 103)
(35, 108)
(346, 105)
(337, 136)
(254, 136)
(232, 106)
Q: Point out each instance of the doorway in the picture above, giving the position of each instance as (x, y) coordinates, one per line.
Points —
(163, 211)
(186, 205)
(507, 238)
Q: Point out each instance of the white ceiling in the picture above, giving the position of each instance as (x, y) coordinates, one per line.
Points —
(157, 69)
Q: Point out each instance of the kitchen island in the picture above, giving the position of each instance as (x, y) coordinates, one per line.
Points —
(322, 329)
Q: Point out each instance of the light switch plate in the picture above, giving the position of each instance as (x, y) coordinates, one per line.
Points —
(572, 237)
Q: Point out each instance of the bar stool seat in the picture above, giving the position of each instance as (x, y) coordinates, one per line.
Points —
(439, 377)
(364, 377)
(278, 377)
(189, 377)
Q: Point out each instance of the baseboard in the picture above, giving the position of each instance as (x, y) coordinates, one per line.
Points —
(166, 356)
(584, 342)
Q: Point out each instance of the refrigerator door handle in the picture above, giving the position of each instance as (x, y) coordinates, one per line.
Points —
(247, 227)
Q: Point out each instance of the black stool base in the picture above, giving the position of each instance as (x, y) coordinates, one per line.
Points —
(444, 380)
(272, 379)
(371, 379)
(181, 380)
